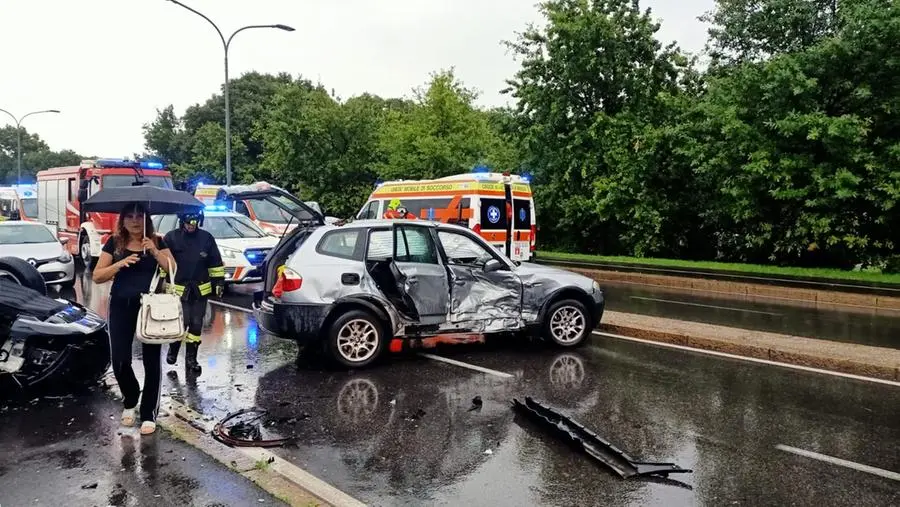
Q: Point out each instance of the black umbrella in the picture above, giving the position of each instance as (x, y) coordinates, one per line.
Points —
(156, 200)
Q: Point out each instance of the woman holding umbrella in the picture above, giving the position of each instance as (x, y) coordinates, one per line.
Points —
(130, 258)
(125, 262)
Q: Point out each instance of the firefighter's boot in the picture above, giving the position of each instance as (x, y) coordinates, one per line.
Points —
(172, 355)
(190, 358)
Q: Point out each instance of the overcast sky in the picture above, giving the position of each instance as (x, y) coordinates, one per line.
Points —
(109, 64)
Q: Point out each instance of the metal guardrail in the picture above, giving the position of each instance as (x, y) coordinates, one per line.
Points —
(827, 284)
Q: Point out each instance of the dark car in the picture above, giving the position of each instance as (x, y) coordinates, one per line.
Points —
(45, 342)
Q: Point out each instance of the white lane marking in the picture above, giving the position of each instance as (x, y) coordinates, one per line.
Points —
(751, 359)
(230, 306)
(466, 365)
(704, 306)
(887, 474)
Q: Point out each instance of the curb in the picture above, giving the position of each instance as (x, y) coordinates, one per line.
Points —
(785, 356)
(281, 479)
(793, 281)
(743, 289)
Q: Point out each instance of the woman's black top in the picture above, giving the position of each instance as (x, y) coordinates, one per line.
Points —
(134, 280)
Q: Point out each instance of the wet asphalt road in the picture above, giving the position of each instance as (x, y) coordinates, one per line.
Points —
(73, 452)
(402, 433)
(880, 328)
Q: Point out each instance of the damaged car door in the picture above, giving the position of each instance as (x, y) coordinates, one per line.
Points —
(419, 274)
(484, 290)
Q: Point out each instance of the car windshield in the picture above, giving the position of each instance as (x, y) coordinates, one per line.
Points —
(125, 180)
(267, 211)
(232, 227)
(30, 207)
(25, 234)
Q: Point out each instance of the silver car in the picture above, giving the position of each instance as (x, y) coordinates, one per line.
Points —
(359, 288)
(38, 245)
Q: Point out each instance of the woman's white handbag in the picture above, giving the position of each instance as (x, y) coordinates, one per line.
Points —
(161, 318)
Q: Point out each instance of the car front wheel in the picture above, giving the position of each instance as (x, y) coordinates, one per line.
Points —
(566, 323)
(355, 339)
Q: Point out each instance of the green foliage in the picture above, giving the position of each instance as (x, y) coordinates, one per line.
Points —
(36, 156)
(784, 150)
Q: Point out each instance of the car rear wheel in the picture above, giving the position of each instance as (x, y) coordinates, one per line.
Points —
(19, 271)
(355, 339)
(567, 323)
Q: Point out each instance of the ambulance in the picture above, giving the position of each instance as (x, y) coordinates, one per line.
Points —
(497, 206)
(19, 202)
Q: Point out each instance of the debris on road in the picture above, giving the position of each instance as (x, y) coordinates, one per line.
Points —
(489, 452)
(416, 416)
(245, 432)
(92, 485)
(476, 403)
(592, 444)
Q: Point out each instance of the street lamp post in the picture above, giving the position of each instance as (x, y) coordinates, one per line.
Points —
(226, 43)
(19, 136)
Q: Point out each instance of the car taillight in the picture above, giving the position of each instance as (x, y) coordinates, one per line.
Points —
(288, 281)
(477, 229)
(533, 237)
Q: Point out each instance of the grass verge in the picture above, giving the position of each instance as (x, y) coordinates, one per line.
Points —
(745, 269)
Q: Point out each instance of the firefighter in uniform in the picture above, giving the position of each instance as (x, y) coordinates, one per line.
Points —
(200, 274)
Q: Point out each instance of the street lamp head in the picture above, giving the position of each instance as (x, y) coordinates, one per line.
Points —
(284, 27)
(53, 110)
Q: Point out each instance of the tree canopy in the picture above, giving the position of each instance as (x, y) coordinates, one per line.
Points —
(36, 156)
(784, 149)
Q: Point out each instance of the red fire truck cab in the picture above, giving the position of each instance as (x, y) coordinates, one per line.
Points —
(62, 189)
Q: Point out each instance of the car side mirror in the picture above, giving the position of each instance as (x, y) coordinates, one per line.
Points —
(63, 241)
(493, 265)
(82, 194)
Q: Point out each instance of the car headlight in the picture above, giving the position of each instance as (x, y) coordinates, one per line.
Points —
(595, 286)
(230, 253)
(65, 257)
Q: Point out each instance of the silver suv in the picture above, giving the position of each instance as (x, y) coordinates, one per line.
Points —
(358, 288)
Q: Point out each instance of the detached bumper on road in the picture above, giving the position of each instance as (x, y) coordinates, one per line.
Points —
(302, 323)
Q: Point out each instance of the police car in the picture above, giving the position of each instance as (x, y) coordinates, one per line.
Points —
(242, 243)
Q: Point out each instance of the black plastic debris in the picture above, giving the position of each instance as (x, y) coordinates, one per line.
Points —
(92, 485)
(476, 403)
(592, 444)
(243, 429)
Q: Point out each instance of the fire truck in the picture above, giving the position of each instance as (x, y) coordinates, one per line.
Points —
(61, 190)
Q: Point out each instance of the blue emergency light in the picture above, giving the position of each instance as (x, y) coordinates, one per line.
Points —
(526, 177)
(481, 168)
(216, 207)
(151, 165)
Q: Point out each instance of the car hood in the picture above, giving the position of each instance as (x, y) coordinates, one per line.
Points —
(530, 273)
(244, 243)
(32, 250)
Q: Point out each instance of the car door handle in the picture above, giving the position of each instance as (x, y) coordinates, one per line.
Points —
(350, 279)
(412, 280)
(459, 282)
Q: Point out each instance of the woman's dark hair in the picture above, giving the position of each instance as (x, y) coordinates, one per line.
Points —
(121, 234)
